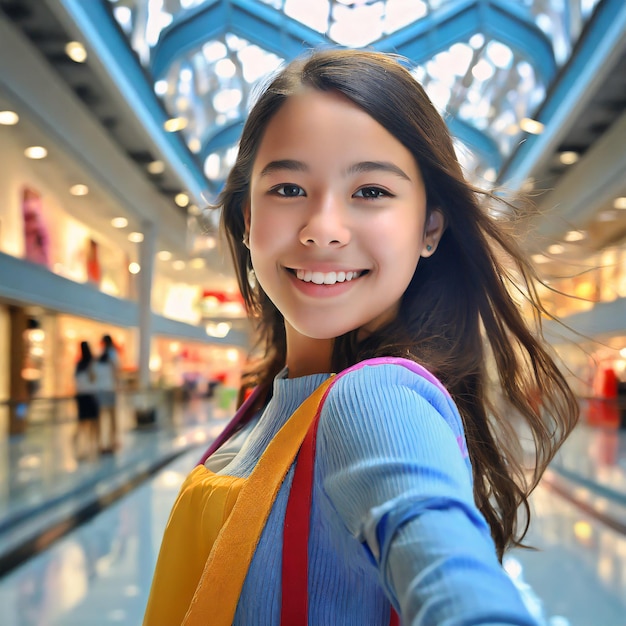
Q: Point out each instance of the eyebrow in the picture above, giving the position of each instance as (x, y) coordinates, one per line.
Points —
(377, 166)
(284, 164)
(361, 167)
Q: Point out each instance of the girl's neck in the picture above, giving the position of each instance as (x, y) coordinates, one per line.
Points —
(307, 356)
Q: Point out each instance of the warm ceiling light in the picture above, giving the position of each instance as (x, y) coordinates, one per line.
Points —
(574, 235)
(79, 190)
(135, 237)
(195, 145)
(9, 118)
(175, 123)
(583, 530)
(556, 248)
(76, 51)
(164, 255)
(620, 203)
(569, 157)
(540, 258)
(134, 268)
(156, 167)
(181, 199)
(119, 222)
(197, 263)
(36, 152)
(178, 265)
(531, 126)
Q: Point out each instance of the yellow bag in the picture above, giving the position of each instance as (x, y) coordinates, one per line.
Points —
(214, 528)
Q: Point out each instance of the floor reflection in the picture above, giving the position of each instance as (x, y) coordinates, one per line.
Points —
(100, 573)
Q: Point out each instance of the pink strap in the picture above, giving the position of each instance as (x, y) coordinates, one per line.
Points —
(241, 417)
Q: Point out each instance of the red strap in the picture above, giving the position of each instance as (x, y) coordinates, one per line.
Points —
(394, 619)
(295, 592)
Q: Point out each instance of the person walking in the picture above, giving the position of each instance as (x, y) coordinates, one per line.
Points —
(107, 374)
(87, 436)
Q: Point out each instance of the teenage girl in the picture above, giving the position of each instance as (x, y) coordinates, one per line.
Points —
(371, 252)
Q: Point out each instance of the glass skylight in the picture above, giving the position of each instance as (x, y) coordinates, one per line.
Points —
(486, 81)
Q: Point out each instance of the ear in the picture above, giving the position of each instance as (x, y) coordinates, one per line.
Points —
(433, 230)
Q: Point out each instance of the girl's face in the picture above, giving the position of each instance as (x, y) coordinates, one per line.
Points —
(336, 216)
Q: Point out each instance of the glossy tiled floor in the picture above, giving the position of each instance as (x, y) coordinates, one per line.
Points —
(577, 576)
(43, 487)
(99, 574)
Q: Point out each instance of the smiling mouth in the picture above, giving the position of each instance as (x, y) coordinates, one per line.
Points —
(327, 278)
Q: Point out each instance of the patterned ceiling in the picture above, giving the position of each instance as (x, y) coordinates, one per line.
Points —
(487, 65)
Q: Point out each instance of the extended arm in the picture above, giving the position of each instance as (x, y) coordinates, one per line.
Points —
(395, 474)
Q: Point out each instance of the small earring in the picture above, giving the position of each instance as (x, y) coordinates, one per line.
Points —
(251, 278)
(429, 247)
(246, 240)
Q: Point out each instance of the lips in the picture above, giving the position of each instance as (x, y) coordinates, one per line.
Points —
(327, 278)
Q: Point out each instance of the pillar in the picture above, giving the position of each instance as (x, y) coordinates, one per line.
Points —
(147, 253)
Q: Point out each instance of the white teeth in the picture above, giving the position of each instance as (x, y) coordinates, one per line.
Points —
(328, 278)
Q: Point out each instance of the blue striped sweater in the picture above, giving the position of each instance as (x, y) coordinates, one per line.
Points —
(393, 514)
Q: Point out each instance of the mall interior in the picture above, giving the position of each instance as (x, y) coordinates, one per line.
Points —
(119, 121)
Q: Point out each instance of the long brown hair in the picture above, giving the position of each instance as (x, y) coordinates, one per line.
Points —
(457, 314)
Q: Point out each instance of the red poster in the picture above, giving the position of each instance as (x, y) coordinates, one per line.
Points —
(94, 272)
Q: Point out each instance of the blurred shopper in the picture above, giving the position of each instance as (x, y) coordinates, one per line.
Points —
(107, 375)
(87, 438)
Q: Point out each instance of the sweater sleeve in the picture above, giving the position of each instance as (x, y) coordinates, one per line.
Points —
(395, 474)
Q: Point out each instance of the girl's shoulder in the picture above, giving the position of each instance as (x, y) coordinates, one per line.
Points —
(392, 386)
(382, 375)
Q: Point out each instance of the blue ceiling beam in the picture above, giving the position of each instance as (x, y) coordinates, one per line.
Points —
(107, 41)
(270, 29)
(186, 33)
(483, 145)
(249, 17)
(275, 32)
(603, 38)
(225, 137)
(499, 19)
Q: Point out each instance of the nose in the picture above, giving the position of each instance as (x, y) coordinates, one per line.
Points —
(326, 226)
